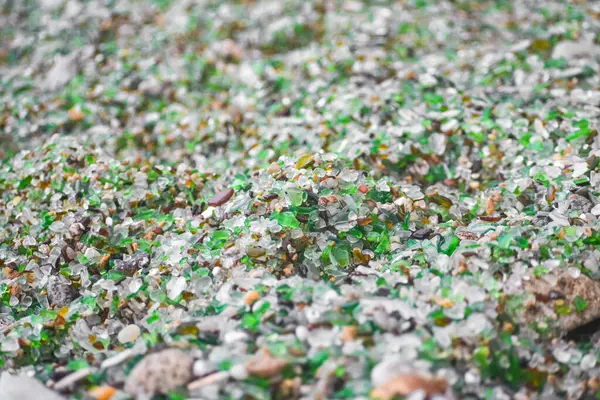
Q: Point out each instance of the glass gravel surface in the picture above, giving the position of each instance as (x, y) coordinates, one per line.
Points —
(299, 199)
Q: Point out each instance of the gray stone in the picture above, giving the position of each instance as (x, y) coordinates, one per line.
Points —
(545, 297)
(60, 293)
(160, 373)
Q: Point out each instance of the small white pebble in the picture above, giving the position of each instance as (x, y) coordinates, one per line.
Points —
(257, 273)
(129, 334)
(238, 372)
(472, 377)
(302, 332)
(202, 368)
(588, 361)
(561, 355)
(574, 272)
(235, 336)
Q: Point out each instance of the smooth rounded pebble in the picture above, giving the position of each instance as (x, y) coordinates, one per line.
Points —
(129, 334)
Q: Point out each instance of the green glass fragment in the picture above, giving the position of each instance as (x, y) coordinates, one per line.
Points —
(115, 276)
(562, 309)
(384, 244)
(286, 219)
(25, 182)
(218, 239)
(77, 364)
(448, 244)
(297, 196)
(583, 130)
(250, 322)
(504, 240)
(341, 255)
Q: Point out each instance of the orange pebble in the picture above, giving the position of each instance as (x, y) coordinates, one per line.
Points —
(75, 114)
(251, 297)
(103, 392)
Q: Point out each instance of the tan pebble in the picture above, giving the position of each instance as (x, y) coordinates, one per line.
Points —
(211, 379)
(348, 334)
(273, 168)
(104, 260)
(75, 113)
(491, 207)
(406, 384)
(251, 297)
(291, 387)
(264, 365)
(256, 252)
(442, 302)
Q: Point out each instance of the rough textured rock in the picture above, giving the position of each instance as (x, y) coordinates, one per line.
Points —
(422, 233)
(579, 204)
(160, 373)
(466, 235)
(132, 265)
(558, 301)
(60, 293)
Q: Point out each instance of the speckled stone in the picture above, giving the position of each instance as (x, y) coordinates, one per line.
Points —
(60, 293)
(160, 373)
(131, 266)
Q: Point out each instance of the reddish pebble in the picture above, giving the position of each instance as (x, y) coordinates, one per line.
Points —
(363, 188)
(220, 198)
